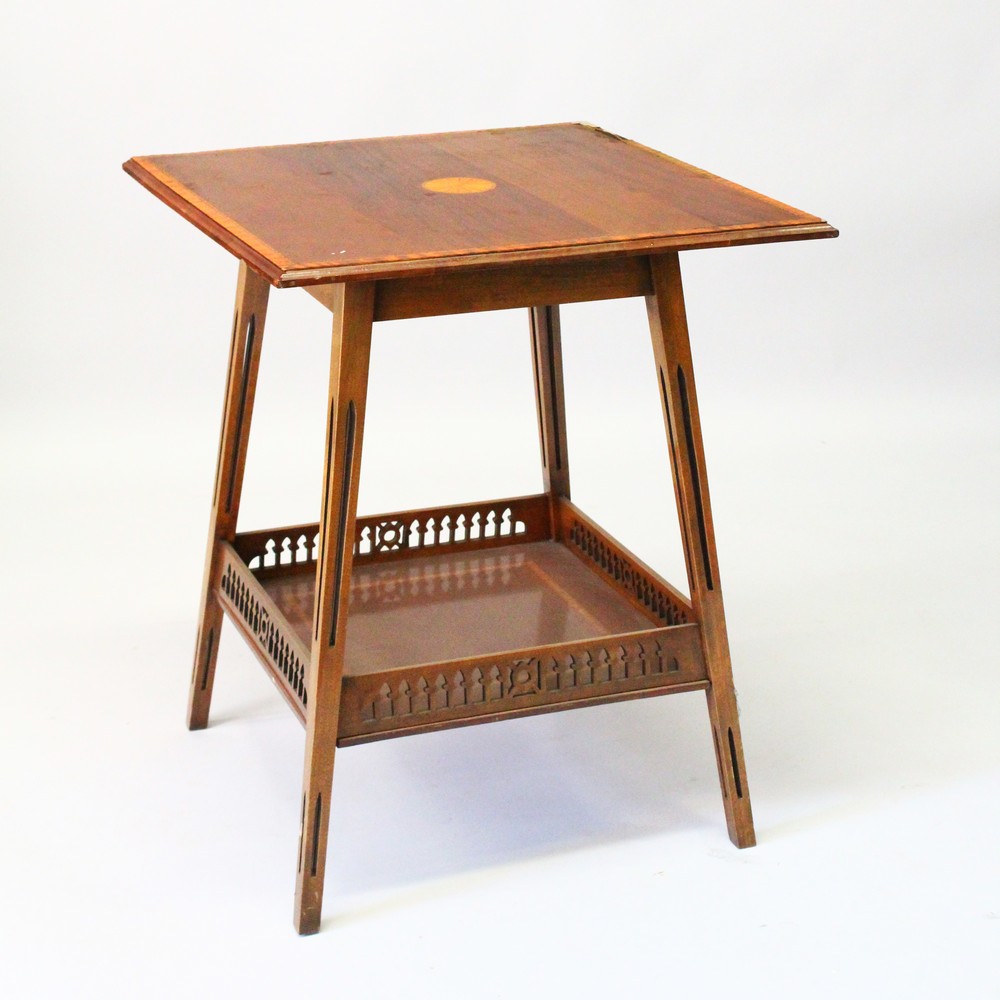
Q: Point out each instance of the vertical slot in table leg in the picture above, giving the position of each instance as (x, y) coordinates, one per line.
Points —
(244, 363)
(672, 350)
(352, 329)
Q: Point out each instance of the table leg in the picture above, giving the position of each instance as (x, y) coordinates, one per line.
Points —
(244, 362)
(546, 360)
(672, 350)
(352, 329)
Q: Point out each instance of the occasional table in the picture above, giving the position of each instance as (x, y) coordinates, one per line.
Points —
(384, 625)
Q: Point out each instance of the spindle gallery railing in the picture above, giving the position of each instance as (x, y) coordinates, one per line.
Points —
(383, 537)
(434, 695)
(620, 568)
(380, 703)
(272, 637)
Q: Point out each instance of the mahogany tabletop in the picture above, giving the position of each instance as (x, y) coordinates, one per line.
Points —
(335, 211)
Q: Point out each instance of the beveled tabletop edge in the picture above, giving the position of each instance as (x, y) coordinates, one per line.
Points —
(698, 170)
(265, 260)
(282, 272)
(416, 267)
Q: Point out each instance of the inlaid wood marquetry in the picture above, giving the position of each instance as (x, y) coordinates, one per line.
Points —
(387, 625)
(357, 209)
(458, 185)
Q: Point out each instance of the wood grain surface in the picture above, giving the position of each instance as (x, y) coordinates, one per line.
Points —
(332, 211)
(675, 375)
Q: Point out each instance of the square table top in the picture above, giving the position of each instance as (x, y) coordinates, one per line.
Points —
(406, 205)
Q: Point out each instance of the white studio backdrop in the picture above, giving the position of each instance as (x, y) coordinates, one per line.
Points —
(848, 391)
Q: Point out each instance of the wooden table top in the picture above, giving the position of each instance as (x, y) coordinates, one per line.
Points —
(336, 211)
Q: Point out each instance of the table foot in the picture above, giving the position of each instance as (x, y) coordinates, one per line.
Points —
(205, 655)
(723, 714)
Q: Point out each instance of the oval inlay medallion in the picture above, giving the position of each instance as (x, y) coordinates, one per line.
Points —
(458, 185)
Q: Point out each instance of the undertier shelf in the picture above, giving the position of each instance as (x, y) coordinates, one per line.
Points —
(469, 630)
(443, 607)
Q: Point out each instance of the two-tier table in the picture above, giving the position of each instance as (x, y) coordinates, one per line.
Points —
(391, 624)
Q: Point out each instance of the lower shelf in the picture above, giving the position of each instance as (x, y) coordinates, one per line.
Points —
(447, 607)
(446, 638)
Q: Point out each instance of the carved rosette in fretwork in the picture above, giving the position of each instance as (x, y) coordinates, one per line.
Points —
(387, 703)
(407, 534)
(380, 703)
